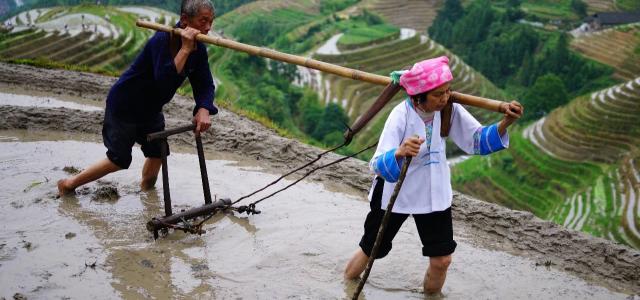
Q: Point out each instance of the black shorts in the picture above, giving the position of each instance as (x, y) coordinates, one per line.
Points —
(119, 136)
(435, 229)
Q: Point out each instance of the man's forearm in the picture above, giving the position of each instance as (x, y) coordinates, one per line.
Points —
(180, 60)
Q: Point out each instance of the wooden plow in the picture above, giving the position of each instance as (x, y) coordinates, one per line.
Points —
(170, 220)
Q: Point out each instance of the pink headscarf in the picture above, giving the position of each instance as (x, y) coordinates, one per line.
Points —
(426, 75)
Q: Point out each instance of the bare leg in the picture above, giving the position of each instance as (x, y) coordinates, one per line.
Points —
(92, 173)
(150, 173)
(436, 274)
(356, 265)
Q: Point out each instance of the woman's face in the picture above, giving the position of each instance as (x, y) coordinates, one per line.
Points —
(202, 21)
(437, 98)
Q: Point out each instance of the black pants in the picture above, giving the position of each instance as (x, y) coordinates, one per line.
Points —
(435, 229)
(119, 136)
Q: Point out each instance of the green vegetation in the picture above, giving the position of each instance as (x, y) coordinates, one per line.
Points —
(358, 36)
(579, 7)
(48, 64)
(265, 88)
(628, 5)
(331, 6)
(263, 29)
(546, 93)
(551, 9)
(86, 49)
(616, 47)
(222, 6)
(576, 167)
(483, 36)
(523, 177)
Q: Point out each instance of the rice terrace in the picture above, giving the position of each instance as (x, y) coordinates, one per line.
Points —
(244, 149)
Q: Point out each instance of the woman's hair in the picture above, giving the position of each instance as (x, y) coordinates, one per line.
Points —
(420, 98)
(190, 8)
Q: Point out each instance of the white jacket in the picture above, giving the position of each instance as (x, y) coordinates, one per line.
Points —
(427, 185)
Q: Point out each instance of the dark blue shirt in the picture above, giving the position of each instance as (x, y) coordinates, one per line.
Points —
(152, 81)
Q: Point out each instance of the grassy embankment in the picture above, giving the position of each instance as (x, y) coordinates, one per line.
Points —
(577, 167)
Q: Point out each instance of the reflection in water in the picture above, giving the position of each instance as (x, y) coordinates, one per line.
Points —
(297, 247)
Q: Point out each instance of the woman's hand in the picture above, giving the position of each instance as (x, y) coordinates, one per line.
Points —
(512, 112)
(410, 147)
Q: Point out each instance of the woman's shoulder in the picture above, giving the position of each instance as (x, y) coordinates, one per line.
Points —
(402, 106)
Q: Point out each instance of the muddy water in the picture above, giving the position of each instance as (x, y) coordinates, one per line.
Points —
(44, 102)
(85, 246)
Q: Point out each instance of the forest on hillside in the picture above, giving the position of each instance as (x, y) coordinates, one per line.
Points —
(534, 65)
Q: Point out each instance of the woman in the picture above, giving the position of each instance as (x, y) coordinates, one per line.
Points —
(414, 129)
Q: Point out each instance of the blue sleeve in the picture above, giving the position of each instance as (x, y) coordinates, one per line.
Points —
(387, 167)
(165, 73)
(487, 140)
(202, 82)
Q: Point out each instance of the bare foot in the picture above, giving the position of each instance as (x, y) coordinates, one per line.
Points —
(63, 188)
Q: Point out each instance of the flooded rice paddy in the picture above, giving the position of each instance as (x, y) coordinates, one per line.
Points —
(95, 245)
(86, 246)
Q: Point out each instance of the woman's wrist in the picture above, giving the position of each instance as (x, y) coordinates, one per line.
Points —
(502, 127)
(398, 154)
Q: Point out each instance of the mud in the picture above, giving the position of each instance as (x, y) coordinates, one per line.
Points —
(297, 246)
(497, 245)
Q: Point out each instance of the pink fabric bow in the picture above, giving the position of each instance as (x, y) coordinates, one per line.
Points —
(426, 75)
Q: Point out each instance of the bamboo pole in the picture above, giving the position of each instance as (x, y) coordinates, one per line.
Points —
(489, 104)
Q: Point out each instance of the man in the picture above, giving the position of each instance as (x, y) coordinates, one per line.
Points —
(134, 104)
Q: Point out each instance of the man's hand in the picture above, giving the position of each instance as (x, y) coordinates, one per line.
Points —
(512, 112)
(188, 45)
(189, 39)
(202, 120)
(410, 147)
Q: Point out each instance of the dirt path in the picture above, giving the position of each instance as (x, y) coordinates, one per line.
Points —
(490, 226)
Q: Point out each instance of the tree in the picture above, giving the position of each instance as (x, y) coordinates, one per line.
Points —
(547, 93)
(579, 7)
(442, 27)
(310, 112)
(333, 119)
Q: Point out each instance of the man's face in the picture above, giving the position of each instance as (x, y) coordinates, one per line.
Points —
(202, 21)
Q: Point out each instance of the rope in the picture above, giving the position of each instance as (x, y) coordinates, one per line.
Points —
(291, 172)
(250, 209)
(312, 171)
(383, 227)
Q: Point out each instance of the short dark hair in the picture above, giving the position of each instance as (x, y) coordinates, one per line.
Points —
(190, 8)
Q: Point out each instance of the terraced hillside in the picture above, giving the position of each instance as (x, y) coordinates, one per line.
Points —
(594, 6)
(102, 38)
(578, 166)
(382, 59)
(414, 14)
(616, 47)
(601, 128)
